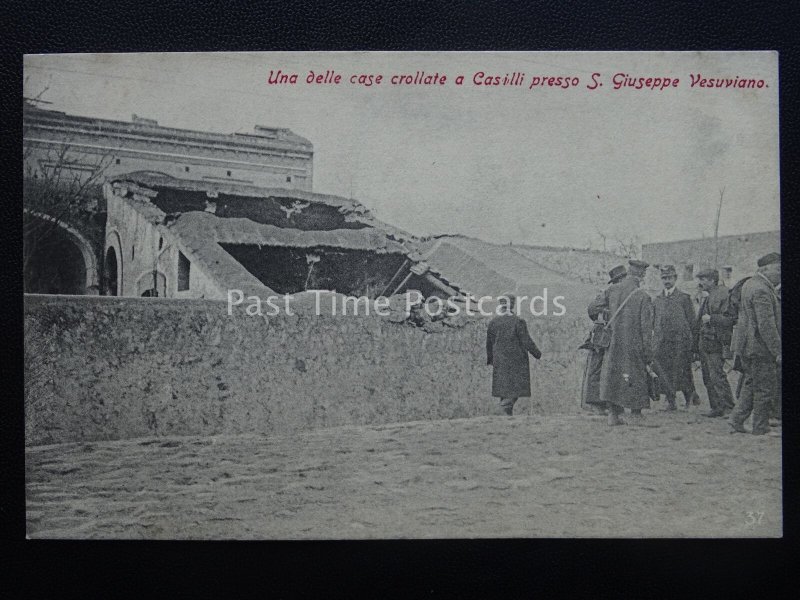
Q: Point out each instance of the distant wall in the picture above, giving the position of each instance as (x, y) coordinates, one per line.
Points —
(111, 368)
(740, 252)
(589, 266)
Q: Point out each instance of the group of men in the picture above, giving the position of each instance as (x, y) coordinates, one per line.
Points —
(641, 348)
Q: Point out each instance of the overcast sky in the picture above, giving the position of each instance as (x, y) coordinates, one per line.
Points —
(542, 166)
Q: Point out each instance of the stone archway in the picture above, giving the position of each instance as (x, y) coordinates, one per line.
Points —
(111, 273)
(113, 265)
(62, 263)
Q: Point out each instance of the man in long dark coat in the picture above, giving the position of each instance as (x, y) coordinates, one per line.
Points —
(714, 326)
(759, 345)
(624, 379)
(673, 336)
(590, 388)
(507, 346)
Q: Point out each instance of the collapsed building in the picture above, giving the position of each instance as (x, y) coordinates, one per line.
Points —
(178, 238)
(67, 158)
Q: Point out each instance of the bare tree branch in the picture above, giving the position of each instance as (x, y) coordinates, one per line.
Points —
(716, 229)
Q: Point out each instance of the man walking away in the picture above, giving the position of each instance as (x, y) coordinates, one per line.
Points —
(507, 348)
(673, 328)
(714, 328)
(626, 364)
(760, 346)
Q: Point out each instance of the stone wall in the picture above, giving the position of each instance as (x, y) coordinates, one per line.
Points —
(112, 368)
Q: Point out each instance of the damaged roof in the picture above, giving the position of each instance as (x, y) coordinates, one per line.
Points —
(466, 265)
(200, 227)
(352, 210)
(484, 269)
(201, 232)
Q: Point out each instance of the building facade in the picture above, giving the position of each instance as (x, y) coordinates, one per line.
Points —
(268, 156)
(60, 151)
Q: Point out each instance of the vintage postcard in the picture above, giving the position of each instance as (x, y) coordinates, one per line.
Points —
(363, 295)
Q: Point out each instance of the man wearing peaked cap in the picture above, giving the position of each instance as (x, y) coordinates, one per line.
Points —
(598, 313)
(714, 327)
(759, 345)
(673, 328)
(624, 377)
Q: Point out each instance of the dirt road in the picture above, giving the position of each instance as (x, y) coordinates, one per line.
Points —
(522, 476)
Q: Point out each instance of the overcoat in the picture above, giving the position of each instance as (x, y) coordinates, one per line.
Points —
(590, 387)
(673, 336)
(759, 320)
(624, 380)
(507, 346)
(714, 336)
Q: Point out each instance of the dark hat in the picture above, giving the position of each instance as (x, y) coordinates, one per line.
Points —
(509, 299)
(708, 274)
(668, 271)
(617, 273)
(768, 259)
(638, 266)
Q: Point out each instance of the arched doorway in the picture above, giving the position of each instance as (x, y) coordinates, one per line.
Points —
(111, 273)
(152, 285)
(59, 261)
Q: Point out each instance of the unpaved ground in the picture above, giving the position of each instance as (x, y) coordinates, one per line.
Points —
(483, 477)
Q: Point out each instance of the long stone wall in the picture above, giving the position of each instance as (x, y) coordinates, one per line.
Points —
(112, 368)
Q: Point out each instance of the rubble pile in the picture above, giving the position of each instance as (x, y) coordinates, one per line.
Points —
(432, 315)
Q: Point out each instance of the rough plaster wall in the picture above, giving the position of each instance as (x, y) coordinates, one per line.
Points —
(134, 229)
(112, 368)
(741, 252)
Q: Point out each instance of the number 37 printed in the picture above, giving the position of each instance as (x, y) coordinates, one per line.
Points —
(755, 517)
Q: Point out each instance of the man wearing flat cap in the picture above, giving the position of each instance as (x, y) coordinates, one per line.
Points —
(624, 377)
(714, 326)
(598, 313)
(673, 337)
(759, 346)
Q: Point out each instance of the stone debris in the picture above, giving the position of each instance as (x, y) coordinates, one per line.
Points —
(432, 315)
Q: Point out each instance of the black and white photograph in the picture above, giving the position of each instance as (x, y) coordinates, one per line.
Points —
(402, 295)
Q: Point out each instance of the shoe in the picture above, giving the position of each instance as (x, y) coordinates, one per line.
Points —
(614, 420)
(736, 428)
(774, 422)
(695, 399)
(714, 413)
(670, 407)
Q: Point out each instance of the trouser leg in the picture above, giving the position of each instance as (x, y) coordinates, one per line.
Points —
(777, 405)
(764, 383)
(614, 414)
(705, 368)
(590, 392)
(722, 388)
(507, 404)
(745, 406)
